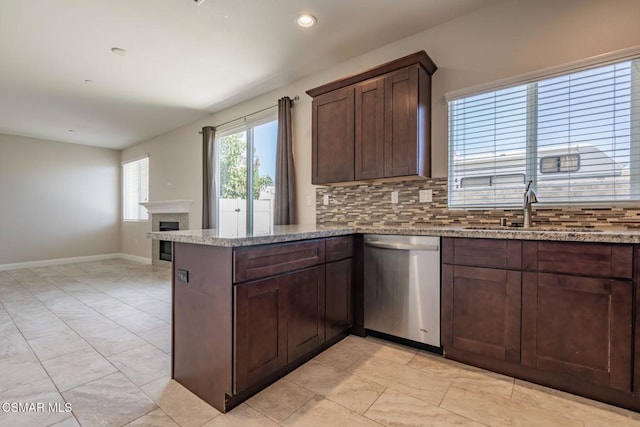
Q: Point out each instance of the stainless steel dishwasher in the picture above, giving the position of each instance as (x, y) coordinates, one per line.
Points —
(402, 287)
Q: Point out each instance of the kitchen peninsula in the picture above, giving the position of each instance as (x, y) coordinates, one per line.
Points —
(249, 309)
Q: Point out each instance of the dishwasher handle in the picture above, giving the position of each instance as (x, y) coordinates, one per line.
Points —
(400, 246)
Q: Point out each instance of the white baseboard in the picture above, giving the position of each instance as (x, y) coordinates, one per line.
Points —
(135, 258)
(59, 261)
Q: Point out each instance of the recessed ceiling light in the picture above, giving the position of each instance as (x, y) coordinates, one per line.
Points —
(118, 51)
(306, 20)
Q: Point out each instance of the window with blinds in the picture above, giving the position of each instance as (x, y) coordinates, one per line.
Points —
(135, 189)
(576, 136)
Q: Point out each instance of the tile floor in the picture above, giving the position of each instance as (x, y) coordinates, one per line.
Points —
(97, 336)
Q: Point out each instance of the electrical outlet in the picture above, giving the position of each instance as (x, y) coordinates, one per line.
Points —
(325, 199)
(426, 196)
(309, 201)
(183, 275)
(394, 197)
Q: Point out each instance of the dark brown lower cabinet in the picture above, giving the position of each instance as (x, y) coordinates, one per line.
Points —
(339, 310)
(578, 326)
(244, 317)
(277, 320)
(261, 331)
(561, 314)
(305, 292)
(481, 312)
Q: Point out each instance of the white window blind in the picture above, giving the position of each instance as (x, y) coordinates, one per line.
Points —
(135, 189)
(575, 136)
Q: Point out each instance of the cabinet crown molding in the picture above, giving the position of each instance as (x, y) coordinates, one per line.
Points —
(415, 58)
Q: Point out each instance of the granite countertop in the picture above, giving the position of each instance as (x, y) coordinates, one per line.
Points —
(279, 234)
(560, 234)
(289, 233)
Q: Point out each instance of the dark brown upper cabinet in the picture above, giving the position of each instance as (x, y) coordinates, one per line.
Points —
(376, 124)
(333, 140)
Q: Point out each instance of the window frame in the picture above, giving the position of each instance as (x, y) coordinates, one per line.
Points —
(533, 159)
(141, 209)
(263, 117)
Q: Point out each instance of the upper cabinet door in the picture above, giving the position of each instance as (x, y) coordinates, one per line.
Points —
(375, 124)
(333, 137)
(407, 143)
(369, 128)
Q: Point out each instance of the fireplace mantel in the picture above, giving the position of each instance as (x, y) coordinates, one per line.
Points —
(168, 206)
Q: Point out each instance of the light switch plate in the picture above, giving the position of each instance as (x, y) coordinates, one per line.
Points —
(325, 199)
(309, 201)
(426, 196)
(394, 197)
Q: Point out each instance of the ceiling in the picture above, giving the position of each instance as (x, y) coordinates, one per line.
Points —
(185, 61)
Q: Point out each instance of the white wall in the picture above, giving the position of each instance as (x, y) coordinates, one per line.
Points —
(503, 40)
(57, 200)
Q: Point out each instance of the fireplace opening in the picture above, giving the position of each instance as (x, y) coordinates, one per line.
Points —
(165, 246)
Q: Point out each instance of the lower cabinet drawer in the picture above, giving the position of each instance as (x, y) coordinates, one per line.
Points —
(338, 248)
(589, 259)
(255, 262)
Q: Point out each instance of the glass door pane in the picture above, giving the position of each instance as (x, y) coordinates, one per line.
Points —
(264, 175)
(232, 193)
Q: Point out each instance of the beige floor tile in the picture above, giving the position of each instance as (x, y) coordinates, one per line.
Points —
(140, 322)
(50, 346)
(179, 403)
(67, 422)
(156, 418)
(143, 364)
(371, 346)
(463, 375)
(397, 409)
(40, 391)
(280, 400)
(90, 325)
(69, 308)
(113, 341)
(19, 370)
(42, 326)
(590, 413)
(490, 409)
(12, 343)
(241, 416)
(115, 309)
(348, 390)
(74, 369)
(108, 401)
(339, 356)
(156, 308)
(423, 385)
(321, 412)
(160, 337)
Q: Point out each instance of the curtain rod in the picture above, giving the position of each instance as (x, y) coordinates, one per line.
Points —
(295, 98)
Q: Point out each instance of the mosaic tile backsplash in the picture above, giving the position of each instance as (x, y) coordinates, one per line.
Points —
(370, 204)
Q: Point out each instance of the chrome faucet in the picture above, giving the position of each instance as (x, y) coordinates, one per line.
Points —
(529, 198)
